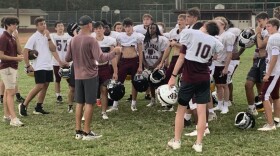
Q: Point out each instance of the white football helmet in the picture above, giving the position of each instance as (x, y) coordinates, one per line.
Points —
(64, 72)
(244, 120)
(167, 95)
(247, 38)
(146, 73)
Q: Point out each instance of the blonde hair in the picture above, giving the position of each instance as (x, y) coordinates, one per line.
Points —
(222, 19)
(184, 16)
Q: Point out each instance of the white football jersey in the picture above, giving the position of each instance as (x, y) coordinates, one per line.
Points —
(227, 39)
(107, 42)
(174, 34)
(273, 44)
(140, 29)
(236, 32)
(135, 38)
(61, 46)
(200, 46)
(154, 49)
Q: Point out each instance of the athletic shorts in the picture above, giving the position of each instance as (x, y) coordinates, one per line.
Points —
(104, 73)
(127, 66)
(218, 77)
(198, 91)
(257, 71)
(43, 76)
(271, 88)
(86, 90)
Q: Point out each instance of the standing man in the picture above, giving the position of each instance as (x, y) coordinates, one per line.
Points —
(42, 66)
(271, 82)
(60, 41)
(257, 71)
(10, 55)
(198, 46)
(85, 51)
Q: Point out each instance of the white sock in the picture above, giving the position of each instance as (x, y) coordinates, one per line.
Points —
(133, 102)
(115, 104)
(187, 116)
(220, 103)
(226, 103)
(211, 110)
(252, 107)
(57, 94)
(206, 124)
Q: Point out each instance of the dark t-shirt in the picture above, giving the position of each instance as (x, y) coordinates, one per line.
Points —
(9, 46)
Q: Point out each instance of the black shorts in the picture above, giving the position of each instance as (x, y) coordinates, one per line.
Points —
(86, 90)
(43, 76)
(257, 71)
(199, 91)
(218, 77)
(71, 80)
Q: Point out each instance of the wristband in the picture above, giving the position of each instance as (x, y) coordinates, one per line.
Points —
(174, 75)
(49, 39)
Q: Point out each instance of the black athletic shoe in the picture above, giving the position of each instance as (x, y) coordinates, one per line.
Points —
(147, 97)
(59, 99)
(20, 99)
(22, 110)
(39, 110)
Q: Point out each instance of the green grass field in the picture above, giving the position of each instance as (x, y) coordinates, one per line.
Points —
(145, 132)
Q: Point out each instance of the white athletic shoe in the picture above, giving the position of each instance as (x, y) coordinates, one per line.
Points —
(83, 118)
(224, 110)
(133, 108)
(194, 133)
(197, 147)
(111, 109)
(212, 116)
(151, 104)
(16, 122)
(218, 107)
(6, 119)
(91, 136)
(105, 116)
(267, 127)
(174, 144)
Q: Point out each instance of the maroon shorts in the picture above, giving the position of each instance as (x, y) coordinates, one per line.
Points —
(104, 73)
(170, 69)
(127, 66)
(271, 88)
(218, 77)
(56, 75)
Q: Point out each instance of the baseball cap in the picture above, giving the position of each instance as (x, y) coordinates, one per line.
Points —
(84, 20)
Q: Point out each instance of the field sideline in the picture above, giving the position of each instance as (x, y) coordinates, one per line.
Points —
(145, 132)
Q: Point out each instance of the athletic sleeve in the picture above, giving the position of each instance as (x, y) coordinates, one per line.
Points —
(218, 46)
(68, 56)
(164, 44)
(30, 43)
(230, 39)
(185, 37)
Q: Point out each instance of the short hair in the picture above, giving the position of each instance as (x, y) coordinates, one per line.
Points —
(147, 15)
(127, 22)
(57, 22)
(198, 25)
(276, 12)
(3, 22)
(10, 20)
(116, 24)
(184, 16)
(98, 24)
(38, 20)
(212, 28)
(262, 15)
(274, 22)
(230, 24)
(223, 19)
(194, 12)
(105, 22)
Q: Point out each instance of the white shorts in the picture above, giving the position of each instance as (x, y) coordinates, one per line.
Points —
(231, 69)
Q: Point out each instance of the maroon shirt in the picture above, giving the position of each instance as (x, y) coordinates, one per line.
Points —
(194, 72)
(84, 50)
(8, 45)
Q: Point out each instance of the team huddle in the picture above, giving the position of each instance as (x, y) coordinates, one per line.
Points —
(96, 61)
